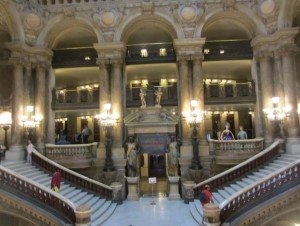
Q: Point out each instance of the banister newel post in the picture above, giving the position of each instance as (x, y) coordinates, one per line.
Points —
(117, 192)
(83, 215)
(211, 215)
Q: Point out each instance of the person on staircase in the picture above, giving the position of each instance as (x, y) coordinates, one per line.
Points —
(55, 182)
(29, 148)
(206, 195)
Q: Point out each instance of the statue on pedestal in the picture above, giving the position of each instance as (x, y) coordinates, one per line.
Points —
(143, 97)
(173, 155)
(158, 94)
(132, 163)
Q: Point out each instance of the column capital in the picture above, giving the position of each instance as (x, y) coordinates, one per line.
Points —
(189, 47)
(110, 51)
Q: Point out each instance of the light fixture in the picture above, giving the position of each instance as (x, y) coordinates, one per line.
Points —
(87, 58)
(277, 113)
(30, 121)
(206, 51)
(194, 117)
(144, 53)
(96, 85)
(145, 83)
(162, 52)
(29, 108)
(222, 51)
(172, 80)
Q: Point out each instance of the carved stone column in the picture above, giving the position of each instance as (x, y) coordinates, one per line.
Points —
(28, 85)
(290, 90)
(198, 93)
(40, 104)
(117, 101)
(184, 96)
(16, 149)
(266, 79)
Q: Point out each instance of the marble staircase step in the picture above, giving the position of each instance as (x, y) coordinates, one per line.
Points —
(100, 211)
(195, 214)
(105, 215)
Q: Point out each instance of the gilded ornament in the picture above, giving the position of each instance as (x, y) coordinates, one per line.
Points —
(33, 21)
(267, 7)
(108, 18)
(188, 13)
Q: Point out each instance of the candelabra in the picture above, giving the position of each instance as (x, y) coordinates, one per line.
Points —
(277, 114)
(107, 121)
(5, 123)
(194, 117)
(30, 122)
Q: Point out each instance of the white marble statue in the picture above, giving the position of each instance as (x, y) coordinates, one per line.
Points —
(143, 98)
(132, 162)
(158, 94)
(173, 155)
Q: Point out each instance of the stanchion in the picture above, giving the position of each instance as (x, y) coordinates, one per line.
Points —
(152, 180)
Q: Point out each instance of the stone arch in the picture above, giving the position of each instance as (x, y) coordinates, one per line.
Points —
(242, 17)
(286, 13)
(137, 21)
(10, 16)
(59, 25)
(19, 216)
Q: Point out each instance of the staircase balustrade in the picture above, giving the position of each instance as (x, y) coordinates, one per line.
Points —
(240, 169)
(73, 177)
(253, 192)
(71, 151)
(232, 152)
(35, 191)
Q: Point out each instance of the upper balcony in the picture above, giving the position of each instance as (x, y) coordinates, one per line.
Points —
(150, 53)
(215, 91)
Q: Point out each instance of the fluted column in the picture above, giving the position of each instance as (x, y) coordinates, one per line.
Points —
(16, 152)
(117, 101)
(184, 96)
(290, 90)
(198, 92)
(40, 104)
(266, 80)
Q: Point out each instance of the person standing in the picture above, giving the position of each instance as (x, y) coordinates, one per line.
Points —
(55, 182)
(30, 148)
(242, 135)
(86, 132)
(205, 195)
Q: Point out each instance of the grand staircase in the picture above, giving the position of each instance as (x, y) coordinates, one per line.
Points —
(101, 207)
(254, 183)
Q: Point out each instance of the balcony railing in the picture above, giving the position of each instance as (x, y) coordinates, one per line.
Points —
(150, 53)
(232, 152)
(75, 99)
(228, 93)
(72, 155)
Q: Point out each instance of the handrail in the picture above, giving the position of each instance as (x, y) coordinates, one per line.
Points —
(254, 191)
(240, 169)
(54, 151)
(37, 192)
(237, 141)
(73, 177)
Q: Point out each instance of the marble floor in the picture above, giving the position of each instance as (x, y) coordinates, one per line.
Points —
(142, 213)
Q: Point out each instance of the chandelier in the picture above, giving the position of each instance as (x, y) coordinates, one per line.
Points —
(277, 113)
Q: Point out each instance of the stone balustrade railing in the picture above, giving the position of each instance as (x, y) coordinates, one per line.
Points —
(232, 152)
(240, 169)
(73, 177)
(282, 177)
(26, 187)
(59, 2)
(81, 154)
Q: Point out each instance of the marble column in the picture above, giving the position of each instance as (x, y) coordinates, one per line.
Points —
(117, 103)
(40, 104)
(50, 114)
(28, 85)
(104, 97)
(289, 82)
(184, 97)
(266, 79)
(278, 78)
(198, 94)
(16, 152)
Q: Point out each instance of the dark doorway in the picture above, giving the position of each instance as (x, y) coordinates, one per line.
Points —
(157, 165)
(230, 120)
(216, 125)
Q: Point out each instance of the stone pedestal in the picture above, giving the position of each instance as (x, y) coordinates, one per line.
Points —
(188, 191)
(83, 215)
(133, 188)
(173, 188)
(293, 145)
(211, 215)
(196, 175)
(117, 192)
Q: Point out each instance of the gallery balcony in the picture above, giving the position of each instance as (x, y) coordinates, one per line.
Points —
(150, 53)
